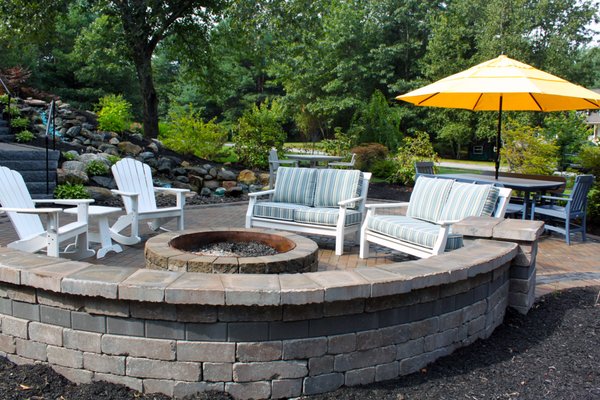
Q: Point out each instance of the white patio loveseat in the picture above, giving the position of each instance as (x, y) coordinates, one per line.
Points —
(326, 202)
(435, 204)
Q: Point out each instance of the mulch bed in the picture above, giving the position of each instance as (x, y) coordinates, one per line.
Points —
(551, 353)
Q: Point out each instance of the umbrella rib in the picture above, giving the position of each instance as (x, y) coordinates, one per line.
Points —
(536, 102)
(477, 102)
(424, 100)
(591, 102)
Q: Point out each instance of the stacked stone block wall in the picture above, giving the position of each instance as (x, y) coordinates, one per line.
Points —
(254, 336)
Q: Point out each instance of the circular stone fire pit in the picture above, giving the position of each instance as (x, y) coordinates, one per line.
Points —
(175, 251)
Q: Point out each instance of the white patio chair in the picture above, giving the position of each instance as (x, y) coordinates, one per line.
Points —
(134, 182)
(275, 163)
(343, 164)
(33, 237)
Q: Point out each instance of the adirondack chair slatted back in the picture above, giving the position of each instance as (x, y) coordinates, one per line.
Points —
(583, 184)
(14, 194)
(135, 177)
(424, 167)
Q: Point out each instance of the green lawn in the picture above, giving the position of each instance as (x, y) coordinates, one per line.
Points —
(450, 170)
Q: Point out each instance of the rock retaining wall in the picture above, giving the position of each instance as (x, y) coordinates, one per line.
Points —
(258, 336)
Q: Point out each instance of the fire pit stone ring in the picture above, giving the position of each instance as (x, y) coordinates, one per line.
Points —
(174, 251)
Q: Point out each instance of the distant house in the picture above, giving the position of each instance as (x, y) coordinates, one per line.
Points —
(593, 119)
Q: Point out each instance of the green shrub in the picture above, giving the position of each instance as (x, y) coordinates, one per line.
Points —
(3, 99)
(71, 191)
(526, 150)
(96, 167)
(187, 133)
(113, 159)
(383, 168)
(340, 145)
(368, 153)
(69, 156)
(24, 136)
(414, 149)
(569, 131)
(259, 129)
(19, 123)
(593, 206)
(377, 122)
(589, 157)
(14, 111)
(114, 113)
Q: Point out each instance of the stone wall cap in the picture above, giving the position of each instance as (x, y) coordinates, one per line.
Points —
(518, 230)
(476, 226)
(146, 285)
(79, 278)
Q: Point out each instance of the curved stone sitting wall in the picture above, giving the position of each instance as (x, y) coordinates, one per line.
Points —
(254, 336)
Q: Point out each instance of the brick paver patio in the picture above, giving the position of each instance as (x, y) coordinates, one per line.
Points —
(558, 266)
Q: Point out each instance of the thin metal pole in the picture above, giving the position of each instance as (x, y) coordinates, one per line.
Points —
(53, 105)
(498, 141)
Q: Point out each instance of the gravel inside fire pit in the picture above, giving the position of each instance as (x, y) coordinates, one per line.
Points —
(236, 249)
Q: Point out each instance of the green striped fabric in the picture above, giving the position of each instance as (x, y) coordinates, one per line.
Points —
(469, 200)
(428, 198)
(295, 185)
(412, 230)
(326, 216)
(335, 185)
(283, 211)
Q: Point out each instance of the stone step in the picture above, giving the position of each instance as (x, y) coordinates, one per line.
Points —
(4, 130)
(6, 138)
(3, 123)
(31, 164)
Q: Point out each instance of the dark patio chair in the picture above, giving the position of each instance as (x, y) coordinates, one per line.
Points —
(424, 167)
(575, 208)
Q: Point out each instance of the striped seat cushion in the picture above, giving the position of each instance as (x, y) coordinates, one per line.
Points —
(469, 200)
(335, 185)
(412, 230)
(326, 216)
(428, 198)
(295, 185)
(282, 211)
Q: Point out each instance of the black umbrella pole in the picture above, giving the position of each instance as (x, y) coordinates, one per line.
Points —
(498, 141)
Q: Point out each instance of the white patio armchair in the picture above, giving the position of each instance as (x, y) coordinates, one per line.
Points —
(343, 164)
(33, 236)
(135, 186)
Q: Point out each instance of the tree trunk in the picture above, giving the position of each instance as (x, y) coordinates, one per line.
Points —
(143, 65)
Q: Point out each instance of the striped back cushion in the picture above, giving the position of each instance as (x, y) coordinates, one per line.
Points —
(469, 200)
(428, 198)
(295, 185)
(335, 185)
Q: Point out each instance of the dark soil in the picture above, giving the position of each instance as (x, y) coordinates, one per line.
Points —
(551, 353)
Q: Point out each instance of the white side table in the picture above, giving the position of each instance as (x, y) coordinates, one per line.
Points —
(100, 215)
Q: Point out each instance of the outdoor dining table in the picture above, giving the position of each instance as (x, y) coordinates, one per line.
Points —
(527, 186)
(313, 159)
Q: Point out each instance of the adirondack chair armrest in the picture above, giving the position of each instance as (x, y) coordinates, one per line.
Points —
(260, 194)
(46, 210)
(565, 198)
(127, 194)
(286, 162)
(178, 193)
(172, 190)
(66, 202)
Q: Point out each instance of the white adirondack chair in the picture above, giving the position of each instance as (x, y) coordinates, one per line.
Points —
(20, 208)
(134, 180)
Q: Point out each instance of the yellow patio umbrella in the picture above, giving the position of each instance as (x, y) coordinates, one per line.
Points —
(504, 84)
